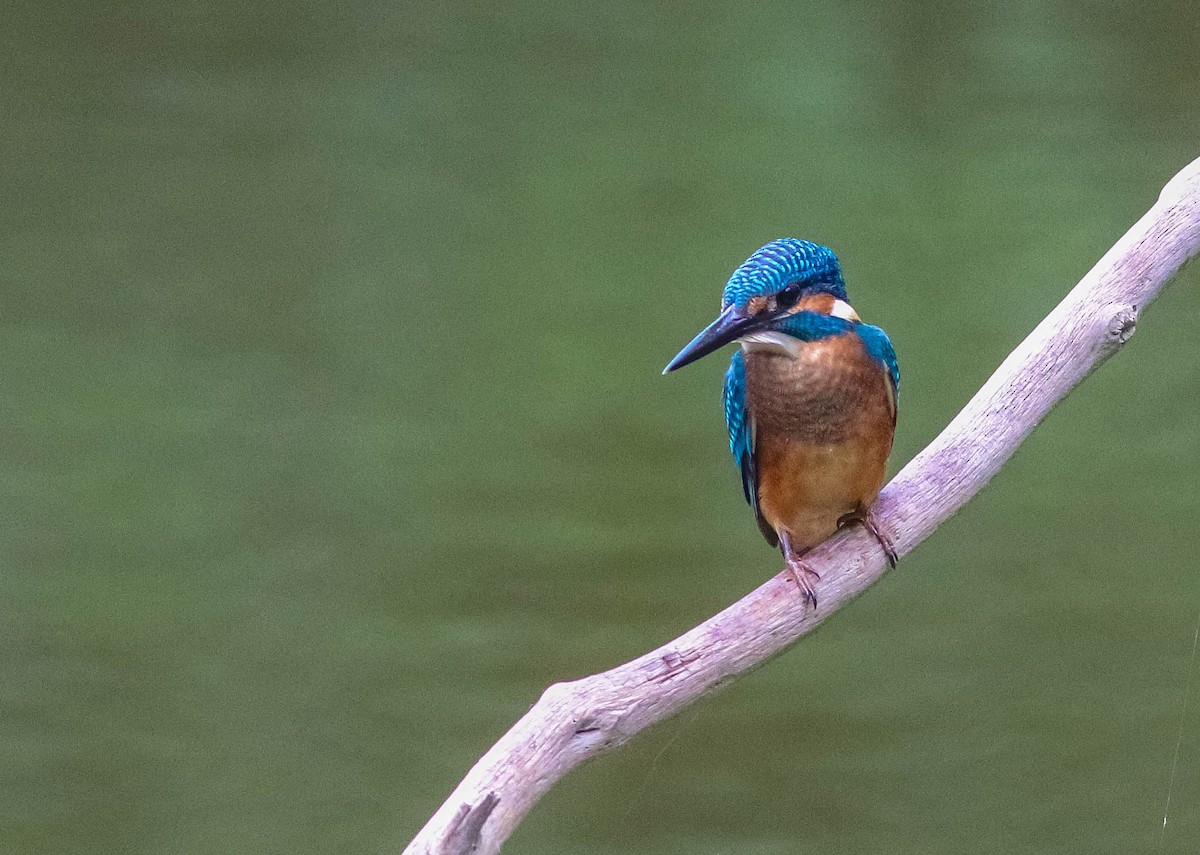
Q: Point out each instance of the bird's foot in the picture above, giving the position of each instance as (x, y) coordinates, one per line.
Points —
(800, 573)
(868, 522)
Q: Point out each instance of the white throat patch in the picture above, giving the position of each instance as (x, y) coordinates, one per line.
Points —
(771, 340)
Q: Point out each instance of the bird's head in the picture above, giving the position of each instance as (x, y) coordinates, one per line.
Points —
(763, 297)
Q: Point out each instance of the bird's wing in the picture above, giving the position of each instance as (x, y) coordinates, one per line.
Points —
(879, 346)
(741, 439)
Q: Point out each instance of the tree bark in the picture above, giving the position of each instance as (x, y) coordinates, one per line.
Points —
(575, 721)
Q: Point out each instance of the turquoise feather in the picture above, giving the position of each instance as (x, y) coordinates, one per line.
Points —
(781, 262)
(881, 350)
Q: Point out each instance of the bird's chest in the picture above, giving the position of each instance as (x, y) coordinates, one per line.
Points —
(823, 393)
(823, 424)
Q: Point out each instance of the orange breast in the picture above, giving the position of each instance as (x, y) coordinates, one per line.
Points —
(823, 427)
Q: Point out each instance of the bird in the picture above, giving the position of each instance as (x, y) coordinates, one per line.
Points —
(810, 398)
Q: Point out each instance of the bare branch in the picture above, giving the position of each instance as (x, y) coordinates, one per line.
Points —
(575, 721)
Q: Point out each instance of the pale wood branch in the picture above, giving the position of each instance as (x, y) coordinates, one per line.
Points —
(575, 721)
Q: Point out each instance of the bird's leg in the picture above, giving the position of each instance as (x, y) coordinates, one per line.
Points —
(867, 519)
(798, 569)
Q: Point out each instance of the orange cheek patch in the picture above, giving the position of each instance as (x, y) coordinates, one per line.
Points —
(822, 304)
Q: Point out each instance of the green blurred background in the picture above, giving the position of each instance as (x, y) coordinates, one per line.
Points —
(333, 428)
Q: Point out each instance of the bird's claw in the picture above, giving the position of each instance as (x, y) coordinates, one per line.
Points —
(798, 570)
(885, 542)
(868, 522)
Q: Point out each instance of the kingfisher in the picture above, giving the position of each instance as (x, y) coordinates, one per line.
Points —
(810, 399)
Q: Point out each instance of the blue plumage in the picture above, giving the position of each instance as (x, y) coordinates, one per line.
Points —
(741, 437)
(735, 408)
(881, 350)
(780, 263)
(813, 326)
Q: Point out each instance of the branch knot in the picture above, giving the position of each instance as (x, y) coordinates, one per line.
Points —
(1122, 323)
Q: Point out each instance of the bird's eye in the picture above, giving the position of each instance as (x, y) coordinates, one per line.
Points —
(787, 298)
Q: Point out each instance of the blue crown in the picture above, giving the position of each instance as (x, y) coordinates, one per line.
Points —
(781, 263)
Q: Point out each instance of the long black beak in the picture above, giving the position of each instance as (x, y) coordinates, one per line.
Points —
(729, 326)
